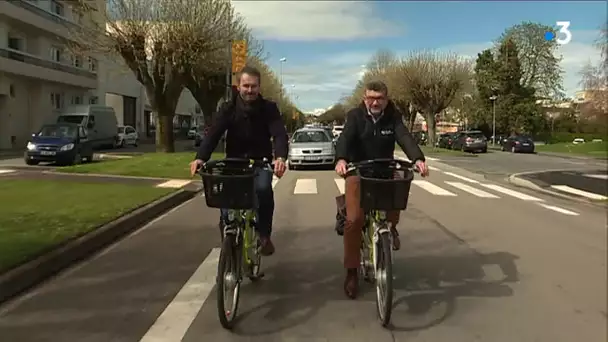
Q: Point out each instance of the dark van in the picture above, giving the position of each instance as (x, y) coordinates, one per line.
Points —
(61, 143)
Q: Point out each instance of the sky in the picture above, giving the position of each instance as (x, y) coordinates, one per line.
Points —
(327, 43)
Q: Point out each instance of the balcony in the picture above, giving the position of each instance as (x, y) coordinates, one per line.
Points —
(24, 64)
(27, 12)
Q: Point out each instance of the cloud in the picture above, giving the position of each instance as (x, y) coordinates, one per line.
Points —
(314, 20)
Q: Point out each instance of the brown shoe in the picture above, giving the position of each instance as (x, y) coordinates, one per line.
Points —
(351, 283)
(267, 247)
(396, 241)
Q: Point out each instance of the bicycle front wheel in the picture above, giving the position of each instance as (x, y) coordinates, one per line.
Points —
(384, 278)
(227, 282)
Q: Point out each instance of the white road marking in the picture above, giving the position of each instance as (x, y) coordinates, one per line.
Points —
(472, 190)
(461, 177)
(432, 188)
(431, 158)
(579, 192)
(558, 209)
(174, 322)
(3, 171)
(434, 168)
(173, 183)
(512, 193)
(305, 186)
(588, 175)
(340, 183)
(275, 180)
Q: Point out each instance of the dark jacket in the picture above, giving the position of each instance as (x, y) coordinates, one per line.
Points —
(362, 139)
(248, 134)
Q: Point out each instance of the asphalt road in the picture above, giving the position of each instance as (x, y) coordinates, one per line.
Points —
(591, 181)
(500, 164)
(480, 261)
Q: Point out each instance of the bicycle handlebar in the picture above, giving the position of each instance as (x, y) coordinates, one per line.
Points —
(244, 162)
(389, 162)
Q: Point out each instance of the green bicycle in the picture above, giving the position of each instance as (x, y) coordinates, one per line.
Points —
(381, 191)
(229, 183)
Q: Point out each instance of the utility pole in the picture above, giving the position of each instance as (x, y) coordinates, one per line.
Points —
(493, 99)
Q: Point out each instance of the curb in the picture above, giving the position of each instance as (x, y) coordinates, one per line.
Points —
(516, 180)
(104, 175)
(22, 278)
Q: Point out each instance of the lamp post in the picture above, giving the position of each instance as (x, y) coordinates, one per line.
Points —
(493, 99)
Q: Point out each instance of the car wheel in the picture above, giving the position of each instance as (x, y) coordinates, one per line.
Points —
(31, 162)
(135, 143)
(485, 150)
(121, 143)
(77, 159)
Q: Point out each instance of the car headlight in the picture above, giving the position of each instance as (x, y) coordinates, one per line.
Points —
(295, 152)
(31, 146)
(328, 151)
(67, 147)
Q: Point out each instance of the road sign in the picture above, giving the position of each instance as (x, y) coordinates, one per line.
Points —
(239, 55)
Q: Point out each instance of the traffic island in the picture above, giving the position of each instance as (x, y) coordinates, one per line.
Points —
(46, 226)
(586, 186)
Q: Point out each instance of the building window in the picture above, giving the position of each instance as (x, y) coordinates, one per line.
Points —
(77, 100)
(56, 53)
(93, 100)
(15, 43)
(57, 8)
(77, 61)
(92, 64)
(57, 100)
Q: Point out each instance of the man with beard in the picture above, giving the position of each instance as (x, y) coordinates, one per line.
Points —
(250, 122)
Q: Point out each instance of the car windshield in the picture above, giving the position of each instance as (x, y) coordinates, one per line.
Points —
(56, 131)
(310, 137)
(475, 135)
(121, 129)
(75, 119)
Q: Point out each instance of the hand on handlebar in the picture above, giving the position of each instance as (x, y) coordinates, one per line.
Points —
(279, 167)
(422, 168)
(195, 165)
(341, 167)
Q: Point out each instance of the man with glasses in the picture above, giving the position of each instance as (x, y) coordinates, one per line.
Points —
(370, 132)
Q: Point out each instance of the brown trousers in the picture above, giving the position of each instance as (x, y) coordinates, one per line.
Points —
(353, 227)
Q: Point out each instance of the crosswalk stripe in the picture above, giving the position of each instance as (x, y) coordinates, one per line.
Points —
(461, 177)
(340, 184)
(579, 192)
(512, 193)
(173, 183)
(2, 171)
(558, 209)
(432, 188)
(472, 190)
(432, 168)
(305, 186)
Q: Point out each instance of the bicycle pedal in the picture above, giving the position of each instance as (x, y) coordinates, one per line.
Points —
(260, 275)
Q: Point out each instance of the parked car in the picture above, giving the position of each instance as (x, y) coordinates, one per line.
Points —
(442, 140)
(337, 130)
(518, 143)
(127, 135)
(311, 146)
(192, 133)
(470, 141)
(99, 122)
(62, 143)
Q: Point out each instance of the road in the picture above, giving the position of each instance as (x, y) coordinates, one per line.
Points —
(590, 183)
(500, 164)
(480, 261)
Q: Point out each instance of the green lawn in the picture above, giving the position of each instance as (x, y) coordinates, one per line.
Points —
(589, 149)
(161, 165)
(36, 216)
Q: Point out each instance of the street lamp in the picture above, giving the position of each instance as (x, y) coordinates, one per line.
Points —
(493, 99)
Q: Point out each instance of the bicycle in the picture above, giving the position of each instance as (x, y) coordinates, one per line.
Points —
(381, 191)
(229, 183)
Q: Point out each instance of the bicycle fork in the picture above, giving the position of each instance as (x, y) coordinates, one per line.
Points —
(375, 227)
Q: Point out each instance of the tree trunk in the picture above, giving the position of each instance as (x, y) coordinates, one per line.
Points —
(430, 127)
(165, 141)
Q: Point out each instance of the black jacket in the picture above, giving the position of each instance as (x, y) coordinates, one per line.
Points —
(362, 139)
(248, 135)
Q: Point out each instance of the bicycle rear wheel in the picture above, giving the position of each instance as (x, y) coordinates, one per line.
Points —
(384, 278)
(227, 283)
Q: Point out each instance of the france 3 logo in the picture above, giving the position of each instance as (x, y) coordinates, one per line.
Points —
(563, 37)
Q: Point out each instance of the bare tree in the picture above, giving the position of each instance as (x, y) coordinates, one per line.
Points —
(160, 42)
(595, 79)
(432, 80)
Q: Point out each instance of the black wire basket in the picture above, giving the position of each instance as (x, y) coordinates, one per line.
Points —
(230, 188)
(384, 188)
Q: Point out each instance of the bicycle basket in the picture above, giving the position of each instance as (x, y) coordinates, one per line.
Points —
(381, 190)
(231, 188)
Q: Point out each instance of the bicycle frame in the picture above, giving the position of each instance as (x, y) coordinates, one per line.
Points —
(240, 223)
(376, 223)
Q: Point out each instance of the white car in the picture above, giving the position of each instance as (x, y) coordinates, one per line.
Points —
(192, 133)
(127, 135)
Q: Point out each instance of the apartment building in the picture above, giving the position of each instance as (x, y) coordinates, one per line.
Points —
(38, 75)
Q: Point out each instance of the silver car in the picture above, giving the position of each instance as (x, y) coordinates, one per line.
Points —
(311, 146)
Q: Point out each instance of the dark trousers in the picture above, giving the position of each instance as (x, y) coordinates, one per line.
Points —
(265, 202)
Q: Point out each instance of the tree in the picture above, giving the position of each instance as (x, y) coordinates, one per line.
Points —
(161, 42)
(432, 81)
(595, 82)
(538, 57)
(337, 113)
